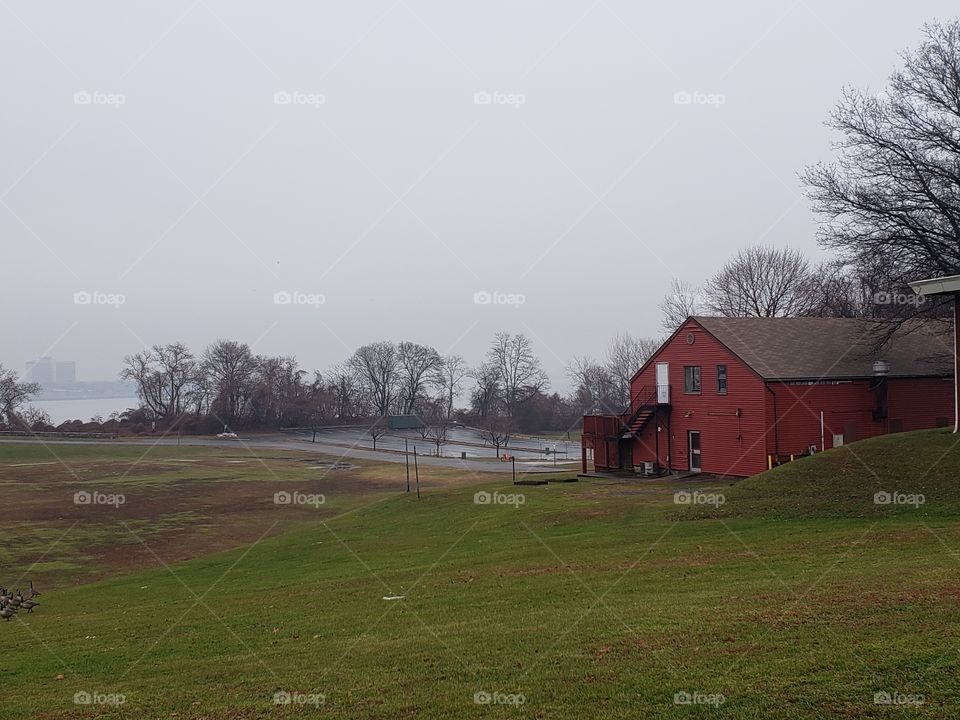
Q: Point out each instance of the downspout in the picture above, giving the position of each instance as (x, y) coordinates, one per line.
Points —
(776, 430)
(956, 350)
(670, 440)
(656, 427)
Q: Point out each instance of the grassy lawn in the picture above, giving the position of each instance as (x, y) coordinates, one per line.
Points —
(603, 598)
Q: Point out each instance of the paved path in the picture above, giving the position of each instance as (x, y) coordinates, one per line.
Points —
(303, 444)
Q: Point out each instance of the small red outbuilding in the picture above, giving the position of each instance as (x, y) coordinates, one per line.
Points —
(732, 396)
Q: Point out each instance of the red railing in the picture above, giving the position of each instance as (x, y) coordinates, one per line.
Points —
(646, 396)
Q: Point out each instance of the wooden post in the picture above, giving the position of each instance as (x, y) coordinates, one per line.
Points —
(956, 361)
(416, 466)
(513, 460)
(406, 453)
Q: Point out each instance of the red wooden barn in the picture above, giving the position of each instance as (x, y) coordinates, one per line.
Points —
(732, 396)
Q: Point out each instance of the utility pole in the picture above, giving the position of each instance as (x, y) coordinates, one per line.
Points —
(406, 453)
(416, 465)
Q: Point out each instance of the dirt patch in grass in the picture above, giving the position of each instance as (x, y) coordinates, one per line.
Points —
(170, 511)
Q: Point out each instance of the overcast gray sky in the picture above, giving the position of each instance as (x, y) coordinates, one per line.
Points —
(196, 158)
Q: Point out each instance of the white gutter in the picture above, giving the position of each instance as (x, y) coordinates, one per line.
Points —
(949, 285)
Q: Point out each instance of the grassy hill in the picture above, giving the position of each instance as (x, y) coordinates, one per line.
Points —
(597, 598)
(919, 472)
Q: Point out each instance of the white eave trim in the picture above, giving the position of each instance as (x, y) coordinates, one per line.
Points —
(937, 286)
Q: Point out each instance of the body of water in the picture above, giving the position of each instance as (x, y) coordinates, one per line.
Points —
(84, 408)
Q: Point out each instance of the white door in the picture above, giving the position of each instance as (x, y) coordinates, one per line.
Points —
(693, 440)
(663, 383)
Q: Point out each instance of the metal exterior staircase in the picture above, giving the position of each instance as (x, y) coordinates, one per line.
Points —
(643, 409)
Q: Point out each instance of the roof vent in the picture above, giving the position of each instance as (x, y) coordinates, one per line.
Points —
(881, 368)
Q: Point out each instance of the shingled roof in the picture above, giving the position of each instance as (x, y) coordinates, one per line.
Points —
(811, 348)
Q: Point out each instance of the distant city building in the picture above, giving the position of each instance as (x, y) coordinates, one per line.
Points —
(66, 372)
(46, 371)
(41, 370)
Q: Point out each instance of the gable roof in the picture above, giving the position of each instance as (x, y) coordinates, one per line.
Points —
(813, 348)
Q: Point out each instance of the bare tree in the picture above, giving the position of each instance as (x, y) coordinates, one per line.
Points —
(596, 391)
(498, 430)
(625, 356)
(448, 378)
(416, 365)
(847, 291)
(681, 301)
(13, 394)
(377, 366)
(437, 424)
(378, 430)
(347, 389)
(486, 393)
(762, 281)
(519, 369)
(35, 418)
(231, 369)
(892, 195)
(179, 369)
(141, 371)
(165, 376)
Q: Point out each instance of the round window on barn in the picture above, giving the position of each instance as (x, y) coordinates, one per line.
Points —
(691, 338)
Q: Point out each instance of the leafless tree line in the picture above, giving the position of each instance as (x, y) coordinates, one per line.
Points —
(229, 384)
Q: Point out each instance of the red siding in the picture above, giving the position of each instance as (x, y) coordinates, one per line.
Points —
(913, 404)
(755, 419)
(729, 445)
(847, 410)
(919, 403)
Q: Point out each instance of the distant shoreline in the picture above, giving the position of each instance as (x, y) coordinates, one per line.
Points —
(42, 397)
